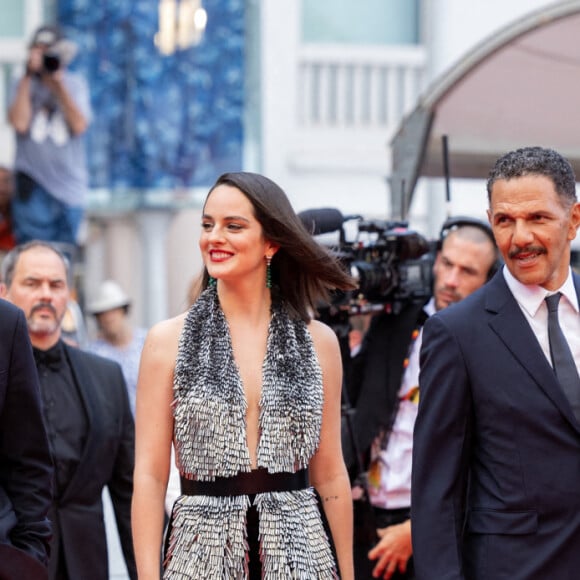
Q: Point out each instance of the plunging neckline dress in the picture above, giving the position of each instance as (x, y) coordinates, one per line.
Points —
(208, 536)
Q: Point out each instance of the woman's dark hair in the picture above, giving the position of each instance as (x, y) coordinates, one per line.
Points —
(303, 271)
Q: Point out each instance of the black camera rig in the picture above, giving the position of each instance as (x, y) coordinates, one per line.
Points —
(51, 62)
(392, 264)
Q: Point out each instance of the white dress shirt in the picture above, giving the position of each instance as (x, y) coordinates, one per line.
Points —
(389, 479)
(531, 301)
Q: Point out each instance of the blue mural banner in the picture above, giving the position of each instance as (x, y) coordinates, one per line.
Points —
(167, 122)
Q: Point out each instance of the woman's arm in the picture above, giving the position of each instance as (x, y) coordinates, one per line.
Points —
(327, 470)
(154, 431)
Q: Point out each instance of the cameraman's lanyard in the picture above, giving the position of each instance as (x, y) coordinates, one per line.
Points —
(412, 394)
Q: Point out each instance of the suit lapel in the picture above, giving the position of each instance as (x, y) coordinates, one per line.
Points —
(512, 328)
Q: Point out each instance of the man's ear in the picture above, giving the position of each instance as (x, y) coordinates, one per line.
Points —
(436, 262)
(3, 290)
(489, 217)
(574, 221)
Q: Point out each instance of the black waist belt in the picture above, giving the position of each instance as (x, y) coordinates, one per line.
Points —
(256, 481)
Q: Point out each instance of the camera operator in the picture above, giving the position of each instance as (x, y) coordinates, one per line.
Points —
(383, 388)
(50, 111)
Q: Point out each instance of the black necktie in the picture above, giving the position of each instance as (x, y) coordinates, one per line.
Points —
(562, 359)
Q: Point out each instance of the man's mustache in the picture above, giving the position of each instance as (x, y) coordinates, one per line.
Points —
(43, 305)
(527, 250)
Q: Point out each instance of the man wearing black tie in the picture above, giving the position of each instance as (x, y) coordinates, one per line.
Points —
(87, 417)
(496, 458)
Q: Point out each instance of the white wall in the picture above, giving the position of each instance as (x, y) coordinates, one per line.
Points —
(349, 173)
(343, 169)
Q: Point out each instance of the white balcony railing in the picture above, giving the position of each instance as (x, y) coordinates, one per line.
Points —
(350, 100)
(356, 87)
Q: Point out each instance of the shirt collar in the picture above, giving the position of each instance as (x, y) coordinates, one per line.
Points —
(429, 308)
(530, 296)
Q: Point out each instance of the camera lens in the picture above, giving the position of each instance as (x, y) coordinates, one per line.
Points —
(50, 62)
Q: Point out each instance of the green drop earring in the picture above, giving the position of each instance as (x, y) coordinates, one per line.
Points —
(211, 282)
(268, 272)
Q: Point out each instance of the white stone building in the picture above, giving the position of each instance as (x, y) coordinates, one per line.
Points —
(328, 84)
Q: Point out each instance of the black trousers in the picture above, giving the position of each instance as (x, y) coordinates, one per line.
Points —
(365, 541)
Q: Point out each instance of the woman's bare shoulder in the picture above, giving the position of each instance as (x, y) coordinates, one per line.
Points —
(323, 336)
(320, 330)
(164, 336)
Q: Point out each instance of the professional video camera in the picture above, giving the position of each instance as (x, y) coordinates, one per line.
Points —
(392, 264)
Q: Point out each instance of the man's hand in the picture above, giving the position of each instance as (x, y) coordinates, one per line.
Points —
(34, 63)
(393, 550)
(54, 81)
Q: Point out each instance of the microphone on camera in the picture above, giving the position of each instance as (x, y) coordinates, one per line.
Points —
(321, 221)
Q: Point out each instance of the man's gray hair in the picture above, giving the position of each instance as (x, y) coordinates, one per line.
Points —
(11, 259)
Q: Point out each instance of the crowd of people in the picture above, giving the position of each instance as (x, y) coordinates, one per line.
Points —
(465, 407)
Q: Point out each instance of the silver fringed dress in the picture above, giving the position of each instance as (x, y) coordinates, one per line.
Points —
(208, 535)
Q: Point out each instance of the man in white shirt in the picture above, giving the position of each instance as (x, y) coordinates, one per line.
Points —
(496, 449)
(385, 387)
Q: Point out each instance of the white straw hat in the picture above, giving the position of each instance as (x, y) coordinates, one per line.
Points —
(109, 296)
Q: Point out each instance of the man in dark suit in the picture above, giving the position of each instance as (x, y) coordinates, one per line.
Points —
(383, 387)
(25, 463)
(87, 417)
(496, 458)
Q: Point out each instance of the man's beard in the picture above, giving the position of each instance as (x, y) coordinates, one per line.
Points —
(43, 326)
(450, 294)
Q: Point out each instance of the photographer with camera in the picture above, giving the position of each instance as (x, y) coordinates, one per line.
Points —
(383, 389)
(50, 111)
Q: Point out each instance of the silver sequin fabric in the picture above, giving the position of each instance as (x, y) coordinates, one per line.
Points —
(208, 536)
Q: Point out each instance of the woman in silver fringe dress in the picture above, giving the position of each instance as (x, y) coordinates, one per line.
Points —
(247, 386)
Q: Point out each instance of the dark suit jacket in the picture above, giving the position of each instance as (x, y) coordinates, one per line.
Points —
(496, 460)
(25, 464)
(107, 461)
(376, 374)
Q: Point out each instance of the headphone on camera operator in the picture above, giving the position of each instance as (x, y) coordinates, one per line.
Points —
(454, 223)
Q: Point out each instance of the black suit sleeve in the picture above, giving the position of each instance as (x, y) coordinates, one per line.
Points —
(25, 462)
(121, 483)
(441, 448)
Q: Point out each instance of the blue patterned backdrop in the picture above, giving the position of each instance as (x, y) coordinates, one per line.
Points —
(159, 121)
